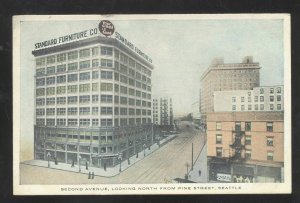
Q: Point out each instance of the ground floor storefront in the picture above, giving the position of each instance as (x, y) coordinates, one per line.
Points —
(222, 170)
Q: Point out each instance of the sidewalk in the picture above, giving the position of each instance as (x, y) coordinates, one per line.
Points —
(200, 164)
(110, 171)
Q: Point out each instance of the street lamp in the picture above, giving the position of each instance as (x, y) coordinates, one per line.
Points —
(120, 159)
(79, 158)
(48, 157)
(144, 146)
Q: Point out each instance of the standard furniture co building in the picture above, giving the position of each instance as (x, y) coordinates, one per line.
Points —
(93, 102)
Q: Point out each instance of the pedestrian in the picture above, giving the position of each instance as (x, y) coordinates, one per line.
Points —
(55, 160)
(89, 175)
(86, 165)
(93, 175)
(72, 163)
(104, 166)
(199, 172)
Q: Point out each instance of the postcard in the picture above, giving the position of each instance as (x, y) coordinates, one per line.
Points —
(151, 104)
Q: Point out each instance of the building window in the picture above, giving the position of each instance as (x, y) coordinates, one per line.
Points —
(40, 82)
(60, 111)
(40, 62)
(242, 99)
(131, 102)
(247, 140)
(261, 98)
(40, 92)
(106, 122)
(84, 87)
(72, 100)
(84, 76)
(233, 107)
(106, 110)
(95, 74)
(218, 125)
(218, 139)
(106, 51)
(271, 98)
(243, 107)
(40, 102)
(50, 59)
(61, 90)
(261, 90)
(72, 88)
(40, 71)
(61, 79)
(248, 154)
(269, 141)
(249, 107)
(219, 151)
(271, 107)
(123, 100)
(84, 122)
(106, 63)
(84, 99)
(84, 53)
(95, 87)
(249, 99)
(72, 111)
(50, 80)
(84, 110)
(50, 121)
(84, 64)
(270, 126)
(95, 110)
(95, 98)
(50, 111)
(271, 90)
(256, 99)
(61, 57)
(106, 98)
(106, 75)
(123, 79)
(270, 156)
(61, 122)
(106, 87)
(72, 55)
(278, 89)
(248, 126)
(95, 63)
(61, 100)
(261, 107)
(72, 77)
(72, 122)
(278, 97)
(40, 112)
(95, 122)
(51, 70)
(95, 51)
(123, 89)
(61, 68)
(278, 106)
(256, 107)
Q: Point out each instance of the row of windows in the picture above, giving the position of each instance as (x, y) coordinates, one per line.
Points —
(94, 110)
(248, 140)
(261, 99)
(269, 155)
(271, 91)
(269, 126)
(107, 51)
(93, 122)
(261, 107)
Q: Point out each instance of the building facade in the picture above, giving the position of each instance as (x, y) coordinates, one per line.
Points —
(196, 113)
(245, 146)
(163, 111)
(222, 76)
(93, 102)
(259, 99)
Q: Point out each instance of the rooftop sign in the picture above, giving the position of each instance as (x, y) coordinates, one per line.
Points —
(105, 27)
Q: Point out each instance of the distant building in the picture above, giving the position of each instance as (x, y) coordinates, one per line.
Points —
(222, 76)
(196, 113)
(92, 101)
(245, 146)
(259, 99)
(163, 111)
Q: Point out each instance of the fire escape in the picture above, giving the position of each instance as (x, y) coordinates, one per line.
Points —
(237, 145)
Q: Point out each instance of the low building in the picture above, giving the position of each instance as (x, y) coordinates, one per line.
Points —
(267, 98)
(245, 146)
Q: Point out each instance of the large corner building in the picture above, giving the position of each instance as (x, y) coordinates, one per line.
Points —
(93, 102)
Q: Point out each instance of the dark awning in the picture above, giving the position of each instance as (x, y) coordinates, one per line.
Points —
(243, 170)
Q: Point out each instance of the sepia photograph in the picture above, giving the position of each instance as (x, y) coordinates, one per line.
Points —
(152, 104)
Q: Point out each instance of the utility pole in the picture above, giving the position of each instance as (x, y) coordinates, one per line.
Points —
(192, 156)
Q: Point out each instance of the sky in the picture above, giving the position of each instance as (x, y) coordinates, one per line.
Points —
(181, 50)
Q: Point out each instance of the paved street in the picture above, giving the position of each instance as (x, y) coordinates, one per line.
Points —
(164, 164)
